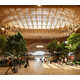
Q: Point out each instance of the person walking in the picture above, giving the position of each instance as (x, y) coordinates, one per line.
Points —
(26, 63)
(65, 60)
(10, 65)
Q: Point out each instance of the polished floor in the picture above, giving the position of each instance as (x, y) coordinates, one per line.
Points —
(38, 68)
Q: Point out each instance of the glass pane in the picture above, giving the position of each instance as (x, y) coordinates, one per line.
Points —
(48, 23)
(43, 27)
(30, 27)
(34, 23)
(35, 27)
(39, 27)
(29, 23)
(44, 23)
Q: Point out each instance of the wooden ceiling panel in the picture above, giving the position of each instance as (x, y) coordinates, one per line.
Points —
(49, 16)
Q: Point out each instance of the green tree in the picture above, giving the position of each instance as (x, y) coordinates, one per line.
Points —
(52, 46)
(16, 45)
(62, 50)
(74, 44)
(73, 41)
(3, 41)
(56, 49)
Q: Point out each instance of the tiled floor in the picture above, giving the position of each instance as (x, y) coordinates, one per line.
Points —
(38, 68)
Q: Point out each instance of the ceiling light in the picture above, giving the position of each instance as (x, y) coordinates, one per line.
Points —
(2, 29)
(39, 46)
(39, 5)
(75, 29)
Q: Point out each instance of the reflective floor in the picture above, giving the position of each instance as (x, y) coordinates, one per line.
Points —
(38, 68)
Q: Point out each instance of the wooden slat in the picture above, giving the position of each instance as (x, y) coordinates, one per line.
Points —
(31, 17)
(42, 19)
(19, 18)
(36, 15)
(48, 17)
(55, 16)
(25, 17)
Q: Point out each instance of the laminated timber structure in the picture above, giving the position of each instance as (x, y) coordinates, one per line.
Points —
(40, 23)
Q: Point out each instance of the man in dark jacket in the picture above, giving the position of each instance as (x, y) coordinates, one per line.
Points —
(26, 63)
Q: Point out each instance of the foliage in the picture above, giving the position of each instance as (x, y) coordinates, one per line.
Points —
(52, 46)
(73, 41)
(3, 41)
(16, 45)
(62, 50)
(57, 49)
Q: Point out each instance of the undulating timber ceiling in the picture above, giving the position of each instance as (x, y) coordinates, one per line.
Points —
(40, 17)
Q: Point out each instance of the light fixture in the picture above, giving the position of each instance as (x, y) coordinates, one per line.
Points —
(2, 29)
(38, 53)
(39, 46)
(75, 29)
(39, 5)
(66, 41)
(58, 42)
